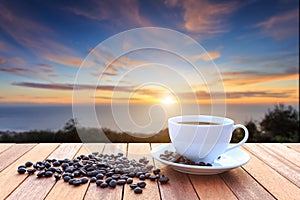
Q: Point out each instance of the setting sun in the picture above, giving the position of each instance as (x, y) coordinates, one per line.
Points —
(168, 100)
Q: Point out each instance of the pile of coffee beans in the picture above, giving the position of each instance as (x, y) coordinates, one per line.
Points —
(105, 170)
(177, 158)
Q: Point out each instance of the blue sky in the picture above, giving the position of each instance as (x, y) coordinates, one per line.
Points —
(254, 44)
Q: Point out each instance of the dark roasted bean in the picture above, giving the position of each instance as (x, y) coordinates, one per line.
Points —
(138, 174)
(131, 174)
(141, 184)
(56, 164)
(76, 182)
(129, 180)
(21, 166)
(48, 173)
(47, 164)
(64, 165)
(67, 178)
(147, 175)
(58, 170)
(76, 173)
(115, 176)
(71, 181)
(109, 173)
(156, 171)
(103, 185)
(138, 190)
(84, 180)
(133, 185)
(152, 177)
(113, 183)
(28, 164)
(93, 179)
(98, 182)
(21, 170)
(40, 174)
(57, 176)
(142, 177)
(121, 182)
(52, 169)
(163, 179)
(31, 171)
(108, 179)
(99, 176)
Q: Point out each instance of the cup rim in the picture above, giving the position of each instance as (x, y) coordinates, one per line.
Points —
(216, 119)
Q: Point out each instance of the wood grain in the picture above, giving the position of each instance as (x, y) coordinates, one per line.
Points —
(179, 186)
(31, 187)
(10, 155)
(294, 146)
(63, 190)
(285, 168)
(244, 186)
(279, 186)
(4, 147)
(108, 193)
(211, 187)
(10, 179)
(289, 154)
(151, 191)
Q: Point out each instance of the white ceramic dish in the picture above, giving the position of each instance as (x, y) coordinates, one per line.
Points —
(229, 160)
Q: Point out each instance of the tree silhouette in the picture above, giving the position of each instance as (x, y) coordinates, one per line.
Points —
(282, 123)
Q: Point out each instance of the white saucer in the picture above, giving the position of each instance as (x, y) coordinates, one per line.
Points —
(229, 160)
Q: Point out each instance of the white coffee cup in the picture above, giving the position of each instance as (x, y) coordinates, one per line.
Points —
(203, 142)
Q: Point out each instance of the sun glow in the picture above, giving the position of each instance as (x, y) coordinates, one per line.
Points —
(168, 100)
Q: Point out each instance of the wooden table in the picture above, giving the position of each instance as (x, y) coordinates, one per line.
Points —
(272, 173)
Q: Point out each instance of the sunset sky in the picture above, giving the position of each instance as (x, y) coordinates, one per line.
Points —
(254, 43)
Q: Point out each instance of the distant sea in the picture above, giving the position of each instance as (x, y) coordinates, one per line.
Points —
(141, 118)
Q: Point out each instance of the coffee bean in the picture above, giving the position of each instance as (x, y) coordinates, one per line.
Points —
(163, 179)
(113, 183)
(76, 182)
(56, 164)
(48, 173)
(115, 176)
(57, 176)
(156, 171)
(93, 179)
(28, 164)
(108, 179)
(31, 171)
(98, 182)
(141, 184)
(121, 182)
(100, 176)
(132, 186)
(84, 180)
(138, 190)
(129, 180)
(142, 177)
(103, 185)
(67, 178)
(21, 170)
(21, 166)
(152, 177)
(40, 174)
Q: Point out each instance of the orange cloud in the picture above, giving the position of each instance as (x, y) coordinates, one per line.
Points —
(2, 60)
(281, 26)
(208, 56)
(243, 79)
(64, 59)
(203, 16)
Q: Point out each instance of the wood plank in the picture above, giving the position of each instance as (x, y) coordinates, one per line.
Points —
(282, 166)
(63, 190)
(108, 193)
(151, 191)
(9, 177)
(211, 187)
(40, 187)
(244, 186)
(179, 186)
(276, 184)
(295, 146)
(12, 154)
(289, 154)
(4, 147)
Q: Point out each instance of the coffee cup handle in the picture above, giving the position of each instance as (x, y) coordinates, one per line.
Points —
(246, 134)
